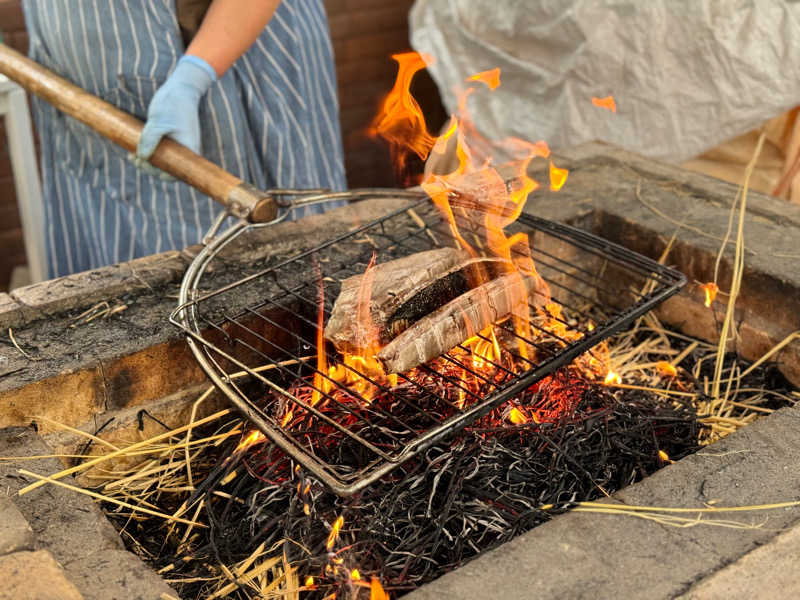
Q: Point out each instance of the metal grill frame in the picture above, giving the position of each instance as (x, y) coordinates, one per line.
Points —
(186, 317)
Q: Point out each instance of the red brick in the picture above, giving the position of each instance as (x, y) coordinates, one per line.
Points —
(354, 5)
(381, 18)
(11, 17)
(371, 45)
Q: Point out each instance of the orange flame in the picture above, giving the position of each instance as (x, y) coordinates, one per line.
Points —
(337, 525)
(321, 385)
(309, 583)
(253, 437)
(558, 177)
(607, 103)
(517, 417)
(376, 591)
(490, 78)
(400, 120)
(612, 378)
(355, 575)
(666, 368)
(710, 290)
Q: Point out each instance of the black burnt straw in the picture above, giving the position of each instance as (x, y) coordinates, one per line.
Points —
(439, 510)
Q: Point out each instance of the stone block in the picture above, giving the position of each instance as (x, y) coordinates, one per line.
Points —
(10, 312)
(34, 576)
(83, 290)
(116, 575)
(15, 533)
(765, 573)
(65, 523)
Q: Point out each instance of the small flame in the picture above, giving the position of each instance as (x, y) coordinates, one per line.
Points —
(337, 525)
(517, 417)
(665, 457)
(666, 368)
(490, 78)
(710, 290)
(287, 418)
(612, 378)
(252, 438)
(309, 583)
(558, 177)
(607, 103)
(321, 385)
(355, 575)
(376, 591)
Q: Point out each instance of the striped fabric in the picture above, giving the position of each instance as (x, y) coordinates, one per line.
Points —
(272, 120)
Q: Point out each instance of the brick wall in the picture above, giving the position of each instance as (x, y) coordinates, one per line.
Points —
(365, 33)
(12, 251)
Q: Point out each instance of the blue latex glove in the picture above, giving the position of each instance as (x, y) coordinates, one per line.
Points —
(173, 111)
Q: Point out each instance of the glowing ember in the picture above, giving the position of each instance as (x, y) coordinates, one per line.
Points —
(710, 290)
(253, 437)
(309, 583)
(558, 177)
(612, 379)
(665, 457)
(337, 525)
(607, 103)
(355, 575)
(490, 78)
(666, 368)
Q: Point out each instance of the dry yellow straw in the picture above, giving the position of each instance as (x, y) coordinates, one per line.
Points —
(738, 271)
(123, 451)
(672, 509)
(44, 479)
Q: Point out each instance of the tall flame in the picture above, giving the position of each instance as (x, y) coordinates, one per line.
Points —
(400, 120)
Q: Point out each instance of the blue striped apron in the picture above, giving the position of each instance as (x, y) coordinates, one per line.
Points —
(272, 120)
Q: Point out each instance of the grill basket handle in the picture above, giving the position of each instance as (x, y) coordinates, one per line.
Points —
(239, 198)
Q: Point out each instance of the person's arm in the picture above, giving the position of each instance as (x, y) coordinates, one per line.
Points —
(228, 29)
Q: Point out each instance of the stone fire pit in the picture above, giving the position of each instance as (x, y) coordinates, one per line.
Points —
(133, 367)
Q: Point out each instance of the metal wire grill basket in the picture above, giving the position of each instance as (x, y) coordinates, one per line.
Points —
(264, 326)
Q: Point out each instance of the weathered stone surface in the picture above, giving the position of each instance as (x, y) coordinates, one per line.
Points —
(15, 533)
(765, 573)
(71, 526)
(10, 312)
(34, 576)
(82, 290)
(116, 575)
(587, 555)
(64, 522)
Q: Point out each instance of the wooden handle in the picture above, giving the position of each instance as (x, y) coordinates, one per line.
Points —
(124, 129)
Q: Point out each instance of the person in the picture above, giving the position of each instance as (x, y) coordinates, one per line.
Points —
(251, 86)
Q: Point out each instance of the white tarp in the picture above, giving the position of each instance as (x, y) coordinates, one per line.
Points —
(686, 74)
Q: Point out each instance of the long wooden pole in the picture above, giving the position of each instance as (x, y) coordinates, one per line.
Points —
(124, 129)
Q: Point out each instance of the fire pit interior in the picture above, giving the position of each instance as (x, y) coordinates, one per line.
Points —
(340, 415)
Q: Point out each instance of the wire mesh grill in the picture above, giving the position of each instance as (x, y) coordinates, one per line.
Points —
(256, 337)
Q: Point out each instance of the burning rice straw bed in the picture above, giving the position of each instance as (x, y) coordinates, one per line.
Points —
(219, 512)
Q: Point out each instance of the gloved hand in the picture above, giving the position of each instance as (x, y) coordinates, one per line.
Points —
(173, 111)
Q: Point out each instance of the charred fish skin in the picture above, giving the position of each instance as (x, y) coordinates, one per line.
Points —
(457, 281)
(393, 283)
(438, 332)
